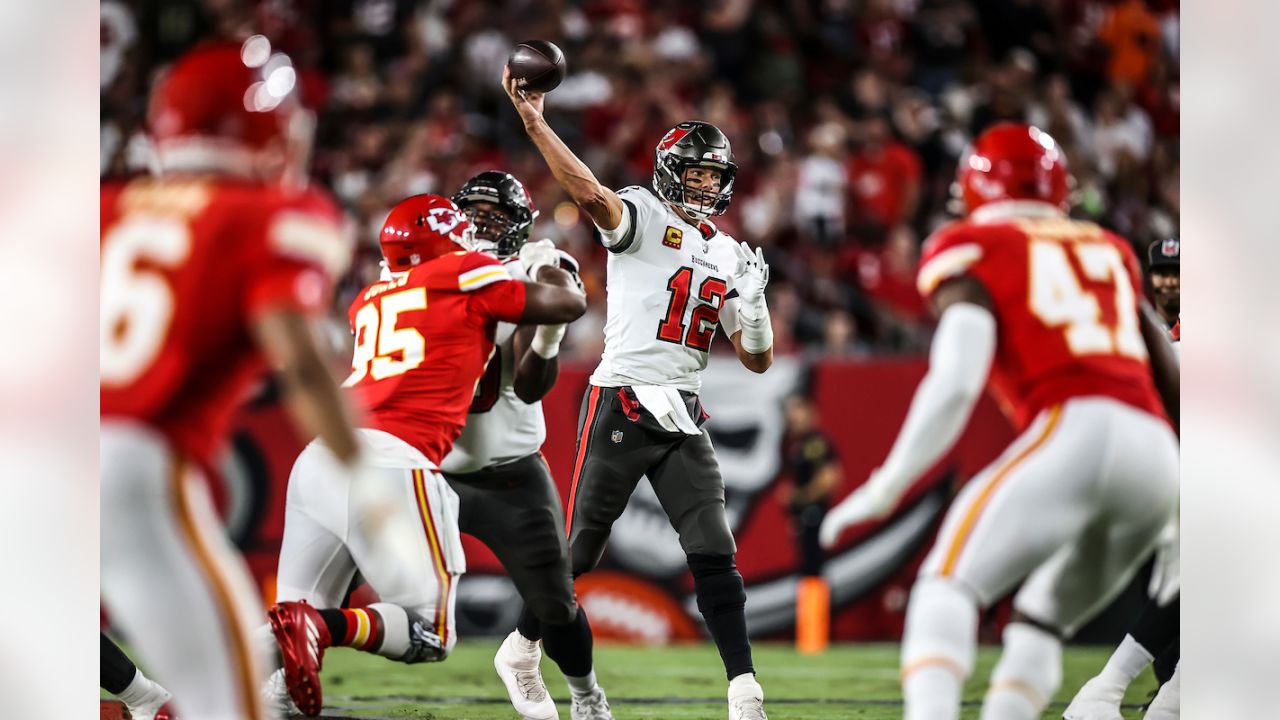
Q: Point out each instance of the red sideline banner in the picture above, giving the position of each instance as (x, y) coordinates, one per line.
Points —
(642, 590)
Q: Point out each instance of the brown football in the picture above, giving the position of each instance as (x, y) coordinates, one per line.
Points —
(539, 64)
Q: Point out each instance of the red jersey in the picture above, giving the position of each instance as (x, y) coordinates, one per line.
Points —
(1065, 295)
(881, 181)
(185, 266)
(422, 342)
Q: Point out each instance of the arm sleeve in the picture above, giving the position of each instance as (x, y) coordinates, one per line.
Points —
(959, 362)
(302, 252)
(623, 239)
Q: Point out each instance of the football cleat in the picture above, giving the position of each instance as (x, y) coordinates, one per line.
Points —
(275, 695)
(518, 668)
(1097, 700)
(746, 700)
(594, 706)
(302, 636)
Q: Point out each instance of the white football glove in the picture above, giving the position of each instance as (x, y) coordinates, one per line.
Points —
(536, 255)
(874, 500)
(751, 275)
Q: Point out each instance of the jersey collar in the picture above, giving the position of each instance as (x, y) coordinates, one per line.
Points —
(1010, 209)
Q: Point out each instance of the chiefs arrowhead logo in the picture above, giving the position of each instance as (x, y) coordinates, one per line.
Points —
(674, 136)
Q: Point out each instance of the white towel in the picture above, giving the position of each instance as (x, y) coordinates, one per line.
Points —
(666, 405)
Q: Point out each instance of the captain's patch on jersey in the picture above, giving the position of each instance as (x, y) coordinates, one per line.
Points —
(673, 238)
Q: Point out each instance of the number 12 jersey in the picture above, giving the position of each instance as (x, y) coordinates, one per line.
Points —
(669, 285)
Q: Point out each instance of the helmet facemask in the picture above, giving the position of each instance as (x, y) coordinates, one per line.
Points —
(496, 232)
(689, 145)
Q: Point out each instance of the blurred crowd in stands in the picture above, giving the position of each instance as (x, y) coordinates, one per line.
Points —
(846, 118)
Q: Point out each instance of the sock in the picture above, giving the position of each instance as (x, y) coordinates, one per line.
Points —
(1027, 676)
(139, 691)
(529, 625)
(1125, 664)
(581, 686)
(361, 628)
(570, 646)
(1167, 704)
(1157, 627)
(1166, 663)
(938, 648)
(116, 669)
(722, 600)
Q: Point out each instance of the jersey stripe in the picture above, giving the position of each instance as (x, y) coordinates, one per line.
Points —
(965, 531)
(310, 239)
(945, 265)
(437, 556)
(583, 441)
(235, 628)
(480, 277)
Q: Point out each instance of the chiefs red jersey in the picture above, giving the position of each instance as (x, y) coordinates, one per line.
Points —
(185, 265)
(422, 342)
(1066, 298)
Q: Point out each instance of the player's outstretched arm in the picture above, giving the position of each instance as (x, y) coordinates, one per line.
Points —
(959, 362)
(311, 393)
(1164, 361)
(602, 204)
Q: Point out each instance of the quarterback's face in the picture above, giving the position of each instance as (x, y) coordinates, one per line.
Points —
(702, 179)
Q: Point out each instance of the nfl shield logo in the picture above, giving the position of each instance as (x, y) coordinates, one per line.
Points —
(1170, 247)
(616, 436)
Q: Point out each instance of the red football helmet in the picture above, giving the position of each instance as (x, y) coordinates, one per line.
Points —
(422, 228)
(223, 103)
(1013, 161)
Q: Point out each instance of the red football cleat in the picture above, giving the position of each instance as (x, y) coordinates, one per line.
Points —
(166, 713)
(302, 636)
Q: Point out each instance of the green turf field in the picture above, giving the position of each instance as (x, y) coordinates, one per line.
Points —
(684, 682)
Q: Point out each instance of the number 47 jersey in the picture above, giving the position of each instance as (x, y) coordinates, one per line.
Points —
(1065, 295)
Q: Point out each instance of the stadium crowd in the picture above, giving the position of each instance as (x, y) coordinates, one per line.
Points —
(847, 118)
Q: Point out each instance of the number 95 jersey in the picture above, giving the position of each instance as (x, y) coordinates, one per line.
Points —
(1065, 295)
(422, 341)
(669, 285)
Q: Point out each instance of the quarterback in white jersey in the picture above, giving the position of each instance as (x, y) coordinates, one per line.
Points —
(507, 498)
(672, 278)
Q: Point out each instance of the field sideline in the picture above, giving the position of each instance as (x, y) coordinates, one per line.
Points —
(670, 683)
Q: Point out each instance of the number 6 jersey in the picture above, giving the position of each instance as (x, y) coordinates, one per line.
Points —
(669, 285)
(186, 265)
(1065, 295)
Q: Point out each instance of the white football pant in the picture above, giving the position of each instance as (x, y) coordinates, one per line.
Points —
(171, 580)
(326, 540)
(1073, 507)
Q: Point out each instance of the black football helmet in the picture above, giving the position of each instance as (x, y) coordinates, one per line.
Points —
(501, 233)
(694, 144)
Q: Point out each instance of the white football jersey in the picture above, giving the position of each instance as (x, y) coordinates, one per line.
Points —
(500, 427)
(669, 285)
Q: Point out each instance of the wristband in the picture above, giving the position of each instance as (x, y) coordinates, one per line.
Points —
(546, 340)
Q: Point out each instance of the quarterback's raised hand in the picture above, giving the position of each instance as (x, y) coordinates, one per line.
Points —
(751, 275)
(875, 500)
(528, 103)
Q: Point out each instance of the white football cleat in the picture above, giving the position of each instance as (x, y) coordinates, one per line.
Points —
(1168, 700)
(594, 706)
(151, 703)
(275, 695)
(1098, 699)
(746, 699)
(517, 662)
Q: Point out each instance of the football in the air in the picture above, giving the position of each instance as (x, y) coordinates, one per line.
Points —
(539, 64)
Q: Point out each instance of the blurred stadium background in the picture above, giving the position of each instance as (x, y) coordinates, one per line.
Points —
(847, 118)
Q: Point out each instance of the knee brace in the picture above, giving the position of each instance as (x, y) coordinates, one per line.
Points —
(717, 584)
